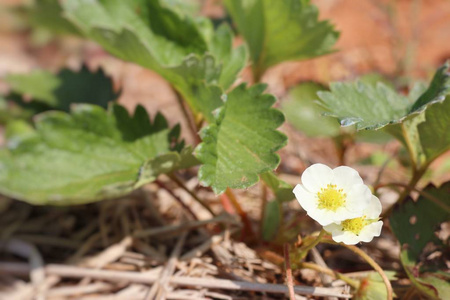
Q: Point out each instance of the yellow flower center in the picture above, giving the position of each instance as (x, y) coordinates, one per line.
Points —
(331, 198)
(354, 225)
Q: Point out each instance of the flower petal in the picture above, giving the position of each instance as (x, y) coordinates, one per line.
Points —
(333, 228)
(316, 177)
(346, 237)
(370, 231)
(322, 216)
(373, 211)
(306, 199)
(345, 214)
(345, 177)
(358, 198)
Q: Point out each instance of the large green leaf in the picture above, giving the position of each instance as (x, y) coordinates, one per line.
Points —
(373, 107)
(426, 133)
(414, 224)
(434, 132)
(241, 144)
(281, 30)
(305, 114)
(48, 91)
(87, 155)
(157, 38)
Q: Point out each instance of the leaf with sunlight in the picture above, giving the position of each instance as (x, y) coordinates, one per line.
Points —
(187, 52)
(373, 107)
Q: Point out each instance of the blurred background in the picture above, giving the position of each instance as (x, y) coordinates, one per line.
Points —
(398, 38)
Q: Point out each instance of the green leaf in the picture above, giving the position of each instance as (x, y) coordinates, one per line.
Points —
(414, 224)
(47, 14)
(48, 91)
(157, 38)
(281, 189)
(88, 155)
(434, 132)
(271, 220)
(373, 107)
(303, 112)
(241, 144)
(425, 216)
(39, 85)
(281, 30)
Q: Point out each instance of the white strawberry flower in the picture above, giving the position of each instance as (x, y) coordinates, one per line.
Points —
(332, 195)
(362, 229)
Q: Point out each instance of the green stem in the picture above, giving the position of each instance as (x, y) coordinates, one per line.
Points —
(263, 208)
(193, 195)
(409, 146)
(370, 261)
(307, 248)
(411, 186)
(190, 119)
(351, 282)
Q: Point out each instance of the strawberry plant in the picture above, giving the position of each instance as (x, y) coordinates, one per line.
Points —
(68, 140)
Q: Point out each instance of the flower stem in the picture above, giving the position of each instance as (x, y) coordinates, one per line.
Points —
(314, 243)
(370, 261)
(287, 265)
(351, 282)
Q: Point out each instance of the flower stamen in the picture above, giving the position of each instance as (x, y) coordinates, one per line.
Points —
(331, 198)
(355, 225)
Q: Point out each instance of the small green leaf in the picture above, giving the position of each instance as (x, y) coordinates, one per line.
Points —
(271, 220)
(281, 189)
(88, 155)
(372, 286)
(303, 112)
(373, 107)
(281, 30)
(48, 91)
(241, 144)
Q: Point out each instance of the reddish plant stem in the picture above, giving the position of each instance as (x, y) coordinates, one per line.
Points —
(289, 279)
(247, 230)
